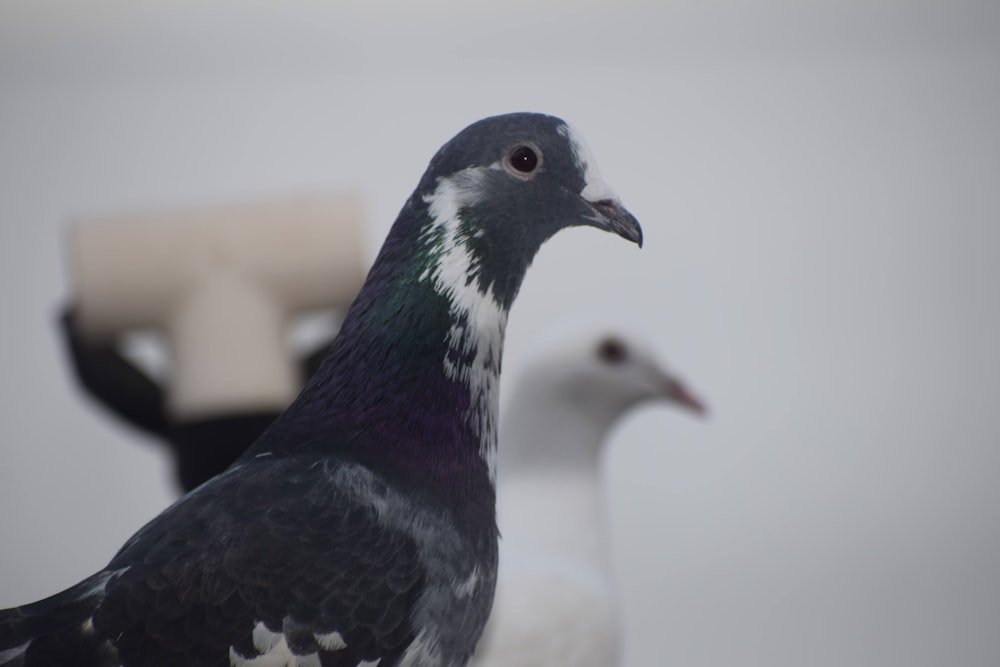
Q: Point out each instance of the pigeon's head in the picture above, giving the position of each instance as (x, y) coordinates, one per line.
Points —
(609, 374)
(505, 184)
(567, 401)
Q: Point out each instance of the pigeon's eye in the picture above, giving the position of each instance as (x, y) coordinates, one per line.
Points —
(523, 158)
(612, 351)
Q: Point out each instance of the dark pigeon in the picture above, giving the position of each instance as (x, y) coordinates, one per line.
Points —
(360, 528)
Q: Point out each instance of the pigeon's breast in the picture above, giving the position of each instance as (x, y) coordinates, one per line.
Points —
(459, 561)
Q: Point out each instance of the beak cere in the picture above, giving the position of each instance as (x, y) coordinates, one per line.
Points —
(613, 217)
(609, 214)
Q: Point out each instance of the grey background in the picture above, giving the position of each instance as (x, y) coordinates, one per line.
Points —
(820, 189)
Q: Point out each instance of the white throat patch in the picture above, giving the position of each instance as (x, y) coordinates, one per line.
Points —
(480, 320)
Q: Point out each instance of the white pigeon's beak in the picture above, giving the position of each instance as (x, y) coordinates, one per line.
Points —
(675, 391)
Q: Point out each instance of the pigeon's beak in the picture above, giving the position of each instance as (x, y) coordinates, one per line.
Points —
(614, 217)
(609, 214)
(680, 394)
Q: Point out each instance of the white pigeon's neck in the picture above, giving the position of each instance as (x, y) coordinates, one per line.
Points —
(572, 433)
(558, 515)
(550, 486)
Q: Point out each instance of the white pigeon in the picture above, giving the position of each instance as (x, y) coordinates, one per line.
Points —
(555, 602)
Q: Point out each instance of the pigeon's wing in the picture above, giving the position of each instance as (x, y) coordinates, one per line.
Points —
(270, 561)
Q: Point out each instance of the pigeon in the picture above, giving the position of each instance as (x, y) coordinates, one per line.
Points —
(360, 527)
(555, 601)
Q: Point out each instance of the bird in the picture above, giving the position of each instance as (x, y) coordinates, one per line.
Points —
(360, 528)
(555, 602)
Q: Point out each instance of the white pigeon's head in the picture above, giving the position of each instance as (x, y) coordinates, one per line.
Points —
(563, 405)
(610, 374)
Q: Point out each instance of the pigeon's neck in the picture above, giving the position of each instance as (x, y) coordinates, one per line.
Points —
(549, 429)
(558, 513)
(410, 386)
(551, 497)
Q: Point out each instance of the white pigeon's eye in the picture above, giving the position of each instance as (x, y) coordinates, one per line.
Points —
(523, 158)
(612, 351)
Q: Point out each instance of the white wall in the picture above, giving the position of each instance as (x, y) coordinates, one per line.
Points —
(820, 190)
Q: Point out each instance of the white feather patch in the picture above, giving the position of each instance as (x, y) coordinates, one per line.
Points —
(265, 640)
(422, 652)
(332, 641)
(482, 331)
(8, 655)
(467, 587)
(595, 188)
(274, 652)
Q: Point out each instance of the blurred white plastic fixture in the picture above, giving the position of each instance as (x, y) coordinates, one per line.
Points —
(222, 284)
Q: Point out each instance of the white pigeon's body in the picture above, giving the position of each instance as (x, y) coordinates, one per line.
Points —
(555, 603)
